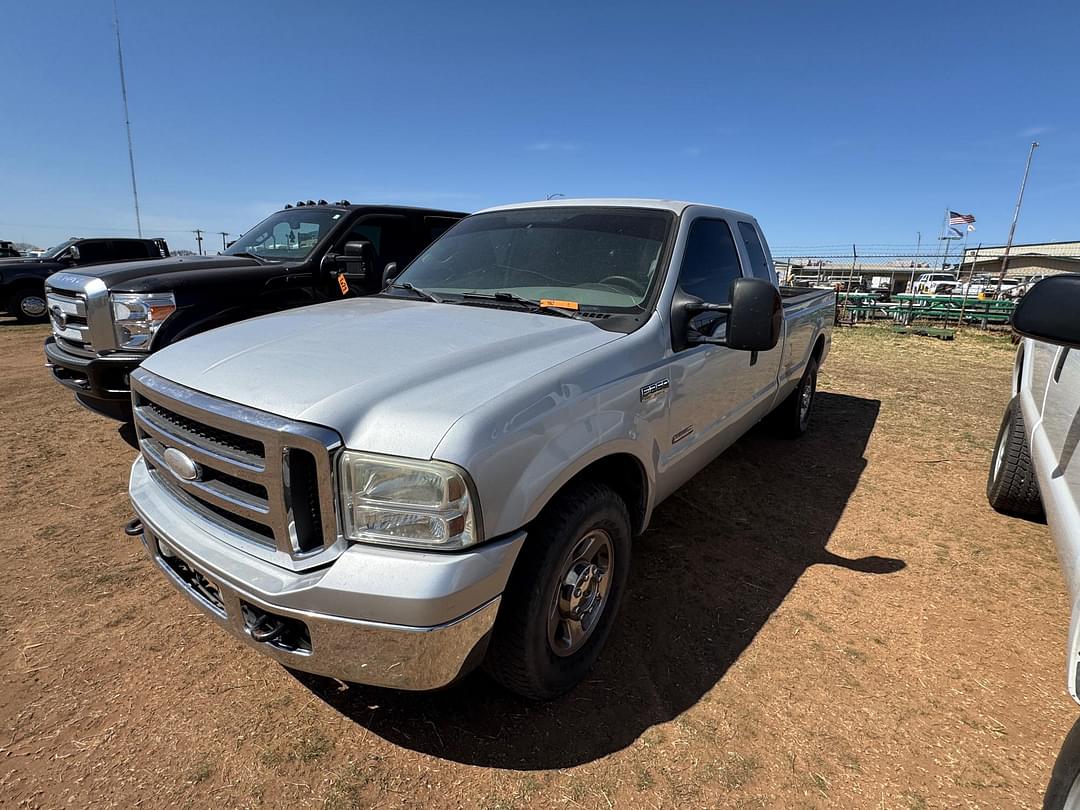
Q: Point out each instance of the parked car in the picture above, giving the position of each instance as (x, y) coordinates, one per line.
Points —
(107, 320)
(390, 490)
(1035, 468)
(8, 251)
(22, 280)
(936, 284)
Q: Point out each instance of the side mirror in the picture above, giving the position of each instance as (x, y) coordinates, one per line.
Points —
(755, 316)
(356, 258)
(389, 273)
(1048, 311)
(73, 254)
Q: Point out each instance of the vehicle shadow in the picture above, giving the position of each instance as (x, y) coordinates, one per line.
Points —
(720, 557)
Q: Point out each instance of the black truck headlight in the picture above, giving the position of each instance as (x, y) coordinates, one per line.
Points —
(138, 316)
(402, 502)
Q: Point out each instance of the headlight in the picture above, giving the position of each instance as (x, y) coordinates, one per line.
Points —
(400, 502)
(137, 317)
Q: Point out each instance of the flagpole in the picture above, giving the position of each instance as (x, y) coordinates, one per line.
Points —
(1016, 216)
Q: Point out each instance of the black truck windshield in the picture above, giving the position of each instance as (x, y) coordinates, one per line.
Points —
(53, 252)
(594, 258)
(287, 235)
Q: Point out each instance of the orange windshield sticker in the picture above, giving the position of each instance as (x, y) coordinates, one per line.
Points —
(341, 282)
(553, 302)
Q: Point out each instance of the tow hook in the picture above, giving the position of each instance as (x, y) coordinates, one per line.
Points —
(133, 528)
(267, 628)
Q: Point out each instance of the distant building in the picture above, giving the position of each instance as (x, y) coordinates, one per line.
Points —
(1033, 259)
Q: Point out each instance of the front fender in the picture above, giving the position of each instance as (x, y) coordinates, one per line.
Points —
(520, 450)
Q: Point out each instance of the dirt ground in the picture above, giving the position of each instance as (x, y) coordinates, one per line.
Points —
(839, 621)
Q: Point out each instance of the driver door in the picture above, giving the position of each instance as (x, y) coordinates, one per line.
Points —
(709, 400)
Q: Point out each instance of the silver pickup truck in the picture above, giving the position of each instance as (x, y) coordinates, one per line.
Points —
(395, 489)
(1035, 472)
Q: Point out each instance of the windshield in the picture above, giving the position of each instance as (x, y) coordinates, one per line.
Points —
(53, 252)
(602, 258)
(287, 235)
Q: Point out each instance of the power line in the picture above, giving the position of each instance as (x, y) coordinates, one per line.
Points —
(127, 117)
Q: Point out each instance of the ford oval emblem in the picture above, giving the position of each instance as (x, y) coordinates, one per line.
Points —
(182, 466)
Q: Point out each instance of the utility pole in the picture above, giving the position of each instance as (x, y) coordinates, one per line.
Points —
(224, 236)
(127, 118)
(198, 238)
(1016, 216)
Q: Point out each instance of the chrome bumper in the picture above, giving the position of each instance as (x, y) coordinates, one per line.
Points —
(350, 611)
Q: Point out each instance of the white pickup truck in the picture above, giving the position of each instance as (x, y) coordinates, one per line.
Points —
(1035, 470)
(392, 490)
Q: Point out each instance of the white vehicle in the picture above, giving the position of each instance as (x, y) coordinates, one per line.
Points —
(1035, 468)
(936, 284)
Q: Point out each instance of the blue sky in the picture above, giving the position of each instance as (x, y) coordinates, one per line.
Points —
(833, 122)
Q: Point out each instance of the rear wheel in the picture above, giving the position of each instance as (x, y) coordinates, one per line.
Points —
(28, 306)
(561, 601)
(1011, 486)
(792, 416)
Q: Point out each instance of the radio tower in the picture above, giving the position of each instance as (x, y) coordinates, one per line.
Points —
(127, 118)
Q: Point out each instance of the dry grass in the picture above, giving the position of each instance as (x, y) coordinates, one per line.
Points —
(838, 621)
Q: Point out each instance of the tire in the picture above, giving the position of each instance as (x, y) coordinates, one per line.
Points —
(1063, 790)
(535, 651)
(28, 306)
(1011, 486)
(792, 417)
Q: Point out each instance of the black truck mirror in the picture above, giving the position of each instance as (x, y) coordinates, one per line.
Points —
(754, 316)
(356, 258)
(1048, 311)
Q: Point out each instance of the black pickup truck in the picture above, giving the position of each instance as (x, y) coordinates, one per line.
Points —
(22, 281)
(107, 320)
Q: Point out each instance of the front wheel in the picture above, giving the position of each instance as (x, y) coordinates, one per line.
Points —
(28, 306)
(563, 594)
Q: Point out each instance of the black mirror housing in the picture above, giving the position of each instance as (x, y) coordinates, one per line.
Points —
(1050, 311)
(757, 313)
(356, 258)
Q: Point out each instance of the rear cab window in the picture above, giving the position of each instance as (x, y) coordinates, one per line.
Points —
(759, 262)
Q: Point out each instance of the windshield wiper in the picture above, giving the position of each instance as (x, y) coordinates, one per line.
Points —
(510, 298)
(422, 293)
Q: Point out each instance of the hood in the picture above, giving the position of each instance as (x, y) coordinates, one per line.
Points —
(391, 376)
(29, 262)
(116, 276)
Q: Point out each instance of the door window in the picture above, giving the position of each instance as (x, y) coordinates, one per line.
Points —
(124, 250)
(93, 250)
(759, 264)
(710, 263)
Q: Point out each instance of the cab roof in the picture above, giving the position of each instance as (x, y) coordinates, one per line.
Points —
(675, 206)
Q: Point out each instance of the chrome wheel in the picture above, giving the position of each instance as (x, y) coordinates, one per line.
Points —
(32, 306)
(806, 399)
(581, 592)
(1072, 800)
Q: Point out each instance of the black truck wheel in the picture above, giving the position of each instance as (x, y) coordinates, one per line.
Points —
(28, 306)
(792, 416)
(564, 592)
(1011, 487)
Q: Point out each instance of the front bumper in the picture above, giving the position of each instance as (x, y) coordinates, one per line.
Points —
(385, 617)
(100, 383)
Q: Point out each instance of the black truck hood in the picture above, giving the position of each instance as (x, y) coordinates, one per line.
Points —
(175, 272)
(34, 265)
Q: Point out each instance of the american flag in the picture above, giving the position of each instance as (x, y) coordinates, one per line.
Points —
(961, 219)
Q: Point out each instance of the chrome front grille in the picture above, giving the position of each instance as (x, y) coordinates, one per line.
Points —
(268, 482)
(67, 313)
